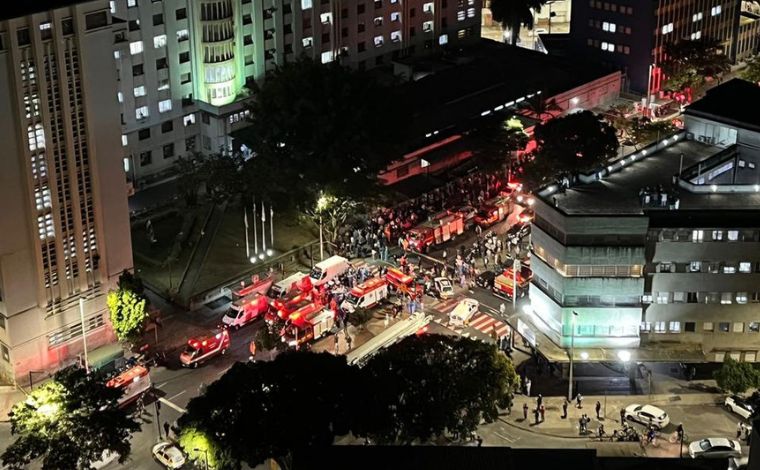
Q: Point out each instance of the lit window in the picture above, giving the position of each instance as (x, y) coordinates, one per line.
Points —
(696, 17)
(182, 35)
(326, 18)
(131, 3)
(696, 35)
(136, 47)
(159, 41)
(36, 136)
(733, 235)
(141, 112)
(117, 55)
(305, 4)
(188, 119)
(307, 42)
(663, 297)
(745, 267)
(725, 298)
(164, 106)
(707, 326)
(427, 26)
(667, 29)
(140, 91)
(741, 297)
(124, 140)
(120, 97)
(163, 85)
(697, 235)
(470, 13)
(112, 6)
(327, 56)
(44, 26)
(695, 266)
(379, 41)
(395, 16)
(729, 269)
(717, 235)
(396, 36)
(659, 327)
(443, 39)
(674, 327)
(428, 7)
(461, 15)
(715, 11)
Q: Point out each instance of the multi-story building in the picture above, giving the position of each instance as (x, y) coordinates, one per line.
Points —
(183, 65)
(661, 249)
(63, 197)
(632, 34)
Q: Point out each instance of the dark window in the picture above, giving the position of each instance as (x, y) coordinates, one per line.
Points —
(325, 37)
(184, 57)
(360, 28)
(288, 29)
(137, 70)
(158, 19)
(205, 118)
(344, 13)
(360, 9)
(96, 20)
(185, 78)
(145, 158)
(190, 143)
(344, 32)
(67, 26)
(161, 63)
(168, 150)
(248, 59)
(378, 4)
(411, 12)
(247, 39)
(23, 36)
(143, 134)
(288, 49)
(181, 14)
(724, 327)
(167, 126)
(46, 33)
(134, 25)
(287, 9)
(247, 19)
(361, 47)
(689, 327)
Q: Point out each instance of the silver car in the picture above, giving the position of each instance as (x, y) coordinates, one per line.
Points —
(715, 448)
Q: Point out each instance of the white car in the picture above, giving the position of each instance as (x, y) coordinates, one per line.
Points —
(716, 448)
(737, 405)
(463, 312)
(106, 458)
(443, 288)
(647, 414)
(168, 455)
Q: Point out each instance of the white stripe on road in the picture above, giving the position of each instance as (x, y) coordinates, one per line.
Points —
(466, 334)
(508, 439)
(172, 405)
(503, 330)
(176, 395)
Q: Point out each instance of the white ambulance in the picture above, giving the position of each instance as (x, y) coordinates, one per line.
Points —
(329, 269)
(365, 295)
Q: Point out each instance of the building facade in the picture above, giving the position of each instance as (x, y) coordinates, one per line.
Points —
(665, 255)
(62, 189)
(183, 65)
(632, 34)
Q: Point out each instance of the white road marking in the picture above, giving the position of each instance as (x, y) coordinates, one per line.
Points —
(508, 439)
(466, 334)
(176, 395)
(172, 405)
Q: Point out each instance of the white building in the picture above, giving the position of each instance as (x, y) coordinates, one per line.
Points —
(63, 198)
(183, 65)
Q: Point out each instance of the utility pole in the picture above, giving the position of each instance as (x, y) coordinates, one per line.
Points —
(255, 229)
(263, 228)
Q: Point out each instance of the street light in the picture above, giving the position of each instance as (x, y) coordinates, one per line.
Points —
(322, 203)
(572, 353)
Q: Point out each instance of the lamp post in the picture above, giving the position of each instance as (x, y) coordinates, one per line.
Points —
(572, 353)
(322, 203)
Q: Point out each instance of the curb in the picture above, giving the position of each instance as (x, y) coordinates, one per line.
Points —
(542, 433)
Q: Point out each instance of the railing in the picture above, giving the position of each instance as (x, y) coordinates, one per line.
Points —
(695, 171)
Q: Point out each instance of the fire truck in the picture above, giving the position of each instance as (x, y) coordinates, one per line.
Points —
(400, 282)
(203, 348)
(295, 282)
(245, 310)
(493, 211)
(306, 324)
(287, 296)
(503, 284)
(365, 295)
(257, 286)
(442, 228)
(134, 382)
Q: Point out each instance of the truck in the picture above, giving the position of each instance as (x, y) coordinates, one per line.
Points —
(246, 310)
(365, 295)
(306, 324)
(493, 211)
(440, 229)
(283, 309)
(202, 348)
(257, 285)
(295, 282)
(503, 284)
(400, 282)
(135, 381)
(329, 269)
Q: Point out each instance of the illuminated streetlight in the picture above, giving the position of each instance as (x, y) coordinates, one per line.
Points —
(624, 355)
(584, 355)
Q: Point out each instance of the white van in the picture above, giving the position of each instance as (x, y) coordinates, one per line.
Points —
(462, 313)
(329, 269)
(366, 295)
(280, 289)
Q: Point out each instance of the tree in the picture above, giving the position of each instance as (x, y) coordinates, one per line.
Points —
(499, 139)
(224, 176)
(433, 385)
(322, 128)
(129, 281)
(128, 312)
(576, 142)
(752, 71)
(644, 131)
(267, 339)
(540, 107)
(245, 410)
(691, 62)
(69, 422)
(512, 14)
(203, 450)
(190, 176)
(332, 213)
(736, 377)
(618, 116)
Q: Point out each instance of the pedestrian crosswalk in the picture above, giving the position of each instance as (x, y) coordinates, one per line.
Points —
(481, 322)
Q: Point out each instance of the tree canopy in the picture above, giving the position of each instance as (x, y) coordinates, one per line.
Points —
(576, 142)
(498, 140)
(128, 314)
(69, 422)
(691, 61)
(643, 131)
(322, 127)
(512, 14)
(736, 377)
(752, 71)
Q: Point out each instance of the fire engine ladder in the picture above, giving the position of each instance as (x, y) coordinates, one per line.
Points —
(391, 335)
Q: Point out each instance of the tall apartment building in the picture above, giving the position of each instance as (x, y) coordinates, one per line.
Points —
(632, 34)
(660, 250)
(183, 64)
(63, 198)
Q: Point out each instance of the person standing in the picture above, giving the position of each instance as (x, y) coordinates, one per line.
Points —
(536, 415)
(598, 409)
(564, 408)
(527, 387)
(525, 412)
(542, 410)
(579, 401)
(739, 430)
(539, 400)
(622, 415)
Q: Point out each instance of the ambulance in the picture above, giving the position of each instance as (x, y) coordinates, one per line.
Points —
(400, 282)
(462, 313)
(442, 228)
(307, 324)
(134, 382)
(256, 286)
(246, 310)
(203, 348)
(329, 269)
(366, 295)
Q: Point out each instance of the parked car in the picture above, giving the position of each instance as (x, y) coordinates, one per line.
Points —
(442, 288)
(647, 414)
(738, 463)
(485, 279)
(738, 405)
(168, 455)
(715, 448)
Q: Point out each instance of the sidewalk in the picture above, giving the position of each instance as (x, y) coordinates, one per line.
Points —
(9, 396)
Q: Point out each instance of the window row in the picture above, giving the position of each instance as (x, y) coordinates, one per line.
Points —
(706, 327)
(608, 26)
(611, 6)
(710, 267)
(704, 235)
(723, 298)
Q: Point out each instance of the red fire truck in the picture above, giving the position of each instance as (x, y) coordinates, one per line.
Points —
(365, 295)
(203, 348)
(246, 310)
(282, 309)
(493, 211)
(134, 381)
(306, 324)
(400, 282)
(503, 284)
(442, 228)
(256, 286)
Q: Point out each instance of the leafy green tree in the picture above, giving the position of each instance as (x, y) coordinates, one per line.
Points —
(332, 212)
(433, 385)
(691, 62)
(262, 410)
(128, 312)
(267, 339)
(225, 178)
(322, 128)
(576, 142)
(512, 14)
(203, 450)
(644, 131)
(752, 71)
(69, 422)
(499, 139)
(736, 377)
(618, 116)
(190, 176)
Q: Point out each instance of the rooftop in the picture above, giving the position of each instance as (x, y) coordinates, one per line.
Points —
(619, 192)
(722, 104)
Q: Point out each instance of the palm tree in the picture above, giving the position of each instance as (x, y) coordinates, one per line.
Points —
(512, 14)
(539, 107)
